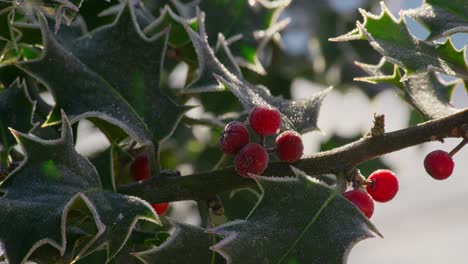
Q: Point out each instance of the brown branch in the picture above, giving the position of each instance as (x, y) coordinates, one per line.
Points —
(204, 185)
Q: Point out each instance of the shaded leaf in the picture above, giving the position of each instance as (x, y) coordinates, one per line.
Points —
(16, 111)
(391, 38)
(167, 18)
(131, 100)
(124, 45)
(187, 243)
(238, 203)
(430, 95)
(39, 194)
(442, 18)
(298, 115)
(297, 220)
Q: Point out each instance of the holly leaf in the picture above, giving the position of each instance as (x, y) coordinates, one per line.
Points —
(442, 18)
(124, 44)
(297, 220)
(16, 111)
(38, 196)
(391, 38)
(253, 24)
(186, 243)
(298, 115)
(430, 95)
(133, 100)
(167, 18)
(425, 92)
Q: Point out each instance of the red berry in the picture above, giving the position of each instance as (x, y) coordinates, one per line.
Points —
(140, 168)
(439, 164)
(362, 200)
(264, 120)
(289, 146)
(384, 185)
(234, 137)
(160, 208)
(252, 158)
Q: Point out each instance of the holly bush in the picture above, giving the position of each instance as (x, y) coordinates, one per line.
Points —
(132, 69)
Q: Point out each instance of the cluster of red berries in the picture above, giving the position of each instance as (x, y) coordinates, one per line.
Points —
(140, 170)
(382, 186)
(253, 157)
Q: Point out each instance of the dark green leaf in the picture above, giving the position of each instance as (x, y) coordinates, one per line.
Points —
(297, 219)
(430, 95)
(442, 18)
(238, 203)
(16, 111)
(39, 194)
(122, 72)
(187, 244)
(177, 36)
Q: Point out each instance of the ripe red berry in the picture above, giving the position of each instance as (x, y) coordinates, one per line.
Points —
(140, 168)
(289, 146)
(384, 185)
(234, 137)
(439, 164)
(265, 120)
(362, 200)
(160, 208)
(252, 158)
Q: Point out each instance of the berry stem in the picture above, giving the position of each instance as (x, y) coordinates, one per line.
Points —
(220, 162)
(458, 147)
(262, 140)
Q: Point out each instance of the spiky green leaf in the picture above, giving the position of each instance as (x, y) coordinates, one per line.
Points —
(16, 111)
(115, 71)
(297, 220)
(391, 38)
(187, 243)
(39, 194)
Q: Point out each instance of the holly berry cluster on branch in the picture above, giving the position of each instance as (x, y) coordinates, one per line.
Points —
(252, 158)
(381, 186)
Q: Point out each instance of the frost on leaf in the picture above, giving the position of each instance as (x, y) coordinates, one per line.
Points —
(298, 115)
(115, 71)
(297, 220)
(187, 243)
(425, 92)
(442, 18)
(38, 196)
(16, 111)
(391, 38)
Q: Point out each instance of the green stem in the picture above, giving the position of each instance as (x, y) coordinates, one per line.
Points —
(220, 162)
